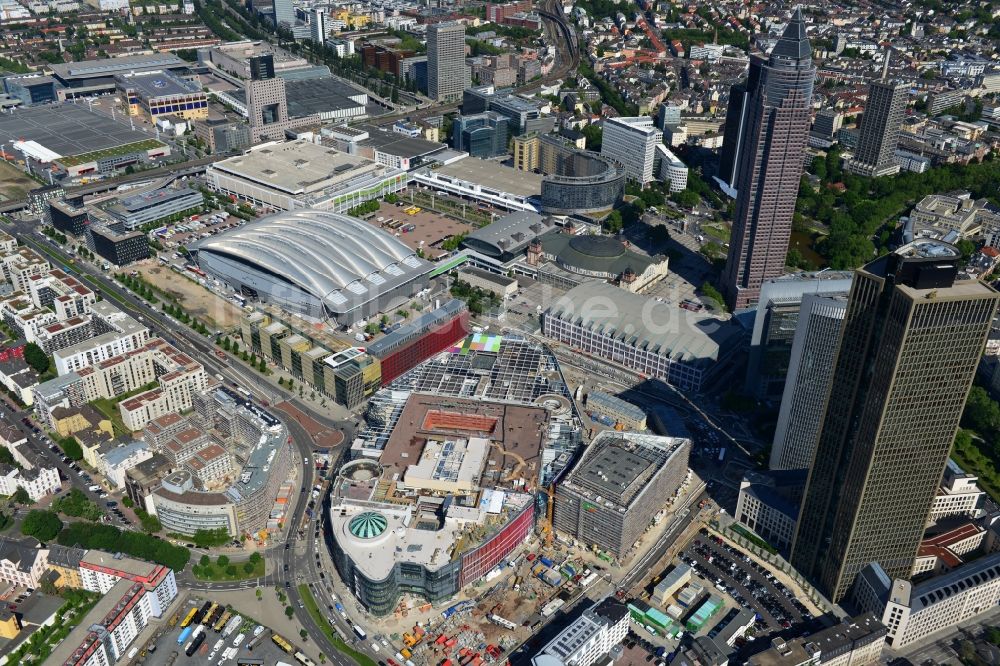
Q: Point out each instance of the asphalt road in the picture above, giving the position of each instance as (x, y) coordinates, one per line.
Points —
(203, 350)
(42, 456)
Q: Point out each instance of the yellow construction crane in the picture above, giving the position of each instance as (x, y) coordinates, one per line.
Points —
(547, 526)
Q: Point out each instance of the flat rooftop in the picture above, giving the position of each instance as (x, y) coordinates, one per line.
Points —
(618, 466)
(130, 566)
(137, 202)
(107, 66)
(318, 95)
(494, 175)
(297, 167)
(516, 434)
(158, 83)
(376, 551)
(398, 144)
(67, 129)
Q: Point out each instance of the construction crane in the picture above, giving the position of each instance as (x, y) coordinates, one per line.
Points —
(546, 523)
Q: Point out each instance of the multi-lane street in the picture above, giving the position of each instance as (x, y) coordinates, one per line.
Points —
(303, 556)
(298, 560)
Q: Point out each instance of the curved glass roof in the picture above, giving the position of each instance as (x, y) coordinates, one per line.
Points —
(368, 525)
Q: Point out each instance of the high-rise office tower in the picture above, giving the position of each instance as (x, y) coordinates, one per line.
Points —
(319, 25)
(912, 337)
(732, 133)
(284, 12)
(814, 348)
(775, 323)
(447, 73)
(879, 132)
(267, 105)
(632, 143)
(770, 165)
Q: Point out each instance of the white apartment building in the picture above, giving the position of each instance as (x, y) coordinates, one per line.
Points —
(959, 494)
(178, 375)
(114, 463)
(117, 334)
(66, 295)
(632, 143)
(670, 169)
(210, 464)
(914, 612)
(19, 264)
(106, 633)
(101, 572)
(589, 638)
(22, 561)
(38, 482)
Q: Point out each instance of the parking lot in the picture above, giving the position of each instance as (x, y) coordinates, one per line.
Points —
(190, 230)
(746, 581)
(233, 642)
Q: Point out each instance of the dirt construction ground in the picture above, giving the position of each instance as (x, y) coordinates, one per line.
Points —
(194, 298)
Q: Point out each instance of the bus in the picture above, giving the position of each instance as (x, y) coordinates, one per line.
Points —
(256, 640)
(207, 617)
(282, 643)
(200, 615)
(360, 632)
(194, 645)
(188, 618)
(221, 622)
(304, 660)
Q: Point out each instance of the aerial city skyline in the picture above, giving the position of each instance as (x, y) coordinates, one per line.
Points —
(526, 333)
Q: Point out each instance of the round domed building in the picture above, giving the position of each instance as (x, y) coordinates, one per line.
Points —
(574, 259)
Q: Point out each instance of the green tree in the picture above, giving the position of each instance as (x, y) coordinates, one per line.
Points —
(21, 497)
(231, 570)
(248, 567)
(710, 292)
(255, 557)
(127, 501)
(289, 612)
(966, 247)
(36, 357)
(71, 448)
(150, 524)
(205, 560)
(686, 198)
(613, 223)
(43, 525)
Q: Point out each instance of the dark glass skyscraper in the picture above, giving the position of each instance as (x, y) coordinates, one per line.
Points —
(769, 165)
(880, 122)
(909, 345)
(736, 117)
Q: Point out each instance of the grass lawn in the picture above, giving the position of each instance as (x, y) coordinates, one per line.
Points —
(973, 460)
(333, 636)
(83, 158)
(717, 231)
(110, 409)
(214, 572)
(14, 183)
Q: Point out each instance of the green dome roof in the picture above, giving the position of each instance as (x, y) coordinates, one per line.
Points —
(368, 525)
